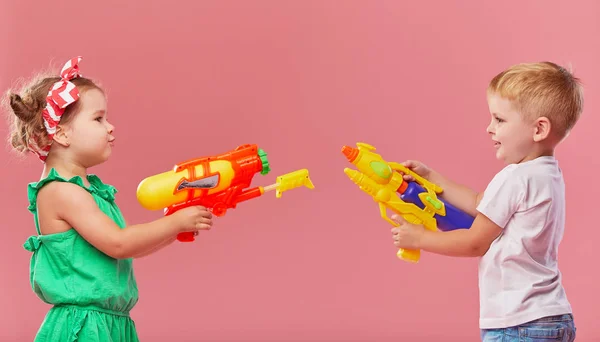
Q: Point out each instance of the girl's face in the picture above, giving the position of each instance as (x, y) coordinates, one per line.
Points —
(89, 133)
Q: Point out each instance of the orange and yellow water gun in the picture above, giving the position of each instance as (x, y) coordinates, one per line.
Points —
(216, 182)
(416, 201)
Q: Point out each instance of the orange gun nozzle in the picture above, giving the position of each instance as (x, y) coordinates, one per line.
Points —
(403, 187)
(350, 152)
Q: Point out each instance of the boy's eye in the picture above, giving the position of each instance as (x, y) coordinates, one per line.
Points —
(499, 120)
(99, 118)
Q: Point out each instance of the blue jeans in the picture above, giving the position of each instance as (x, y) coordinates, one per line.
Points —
(547, 329)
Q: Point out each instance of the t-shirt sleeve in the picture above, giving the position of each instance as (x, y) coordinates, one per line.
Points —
(502, 197)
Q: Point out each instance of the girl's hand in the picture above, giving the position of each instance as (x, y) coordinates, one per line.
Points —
(193, 219)
(407, 235)
(418, 168)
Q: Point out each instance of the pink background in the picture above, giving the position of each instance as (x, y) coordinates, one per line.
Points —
(200, 78)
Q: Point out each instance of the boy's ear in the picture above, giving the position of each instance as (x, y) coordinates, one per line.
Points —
(542, 127)
(62, 135)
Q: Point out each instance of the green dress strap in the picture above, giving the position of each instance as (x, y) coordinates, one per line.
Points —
(90, 292)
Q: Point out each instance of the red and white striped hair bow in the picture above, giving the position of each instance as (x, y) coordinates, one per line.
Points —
(62, 94)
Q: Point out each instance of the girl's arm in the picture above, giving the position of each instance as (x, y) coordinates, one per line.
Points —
(74, 205)
(156, 248)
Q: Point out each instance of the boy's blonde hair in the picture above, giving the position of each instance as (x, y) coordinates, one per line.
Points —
(542, 89)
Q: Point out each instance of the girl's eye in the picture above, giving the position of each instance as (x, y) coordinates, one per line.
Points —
(99, 118)
(499, 120)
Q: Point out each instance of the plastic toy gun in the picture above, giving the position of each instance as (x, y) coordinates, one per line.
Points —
(216, 182)
(416, 202)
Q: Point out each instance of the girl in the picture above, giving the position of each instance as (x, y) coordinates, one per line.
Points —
(82, 253)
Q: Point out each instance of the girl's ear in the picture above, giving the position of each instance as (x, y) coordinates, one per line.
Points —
(62, 135)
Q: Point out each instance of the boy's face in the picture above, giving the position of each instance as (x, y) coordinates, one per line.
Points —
(512, 135)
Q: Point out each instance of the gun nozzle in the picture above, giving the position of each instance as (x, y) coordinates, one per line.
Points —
(354, 175)
(350, 152)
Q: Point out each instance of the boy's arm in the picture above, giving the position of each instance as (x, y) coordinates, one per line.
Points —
(503, 197)
(471, 242)
(460, 196)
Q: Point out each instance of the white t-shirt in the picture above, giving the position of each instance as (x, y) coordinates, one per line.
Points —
(519, 279)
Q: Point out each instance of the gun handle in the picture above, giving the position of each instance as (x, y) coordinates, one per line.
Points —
(218, 209)
(186, 237)
(410, 255)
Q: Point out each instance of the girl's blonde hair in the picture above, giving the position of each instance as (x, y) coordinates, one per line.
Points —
(25, 107)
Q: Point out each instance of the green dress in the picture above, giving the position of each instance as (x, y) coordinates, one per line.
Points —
(91, 293)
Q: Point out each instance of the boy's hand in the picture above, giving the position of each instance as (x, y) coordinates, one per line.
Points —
(418, 168)
(407, 235)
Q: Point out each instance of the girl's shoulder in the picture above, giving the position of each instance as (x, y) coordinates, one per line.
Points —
(97, 187)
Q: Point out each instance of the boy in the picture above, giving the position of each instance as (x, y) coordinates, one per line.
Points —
(519, 219)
